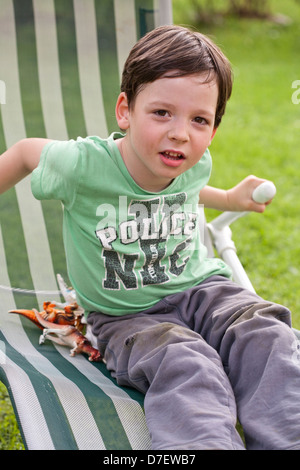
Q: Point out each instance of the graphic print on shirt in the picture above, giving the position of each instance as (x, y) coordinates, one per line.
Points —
(137, 248)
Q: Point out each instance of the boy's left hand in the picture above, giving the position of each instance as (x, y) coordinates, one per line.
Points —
(239, 197)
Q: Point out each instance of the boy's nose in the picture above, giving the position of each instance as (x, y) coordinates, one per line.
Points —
(179, 132)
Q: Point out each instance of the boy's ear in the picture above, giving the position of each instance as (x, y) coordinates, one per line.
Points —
(122, 111)
(213, 134)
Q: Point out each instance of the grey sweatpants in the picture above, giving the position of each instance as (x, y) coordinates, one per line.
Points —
(203, 357)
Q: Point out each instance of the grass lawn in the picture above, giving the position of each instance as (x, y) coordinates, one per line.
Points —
(259, 135)
(10, 438)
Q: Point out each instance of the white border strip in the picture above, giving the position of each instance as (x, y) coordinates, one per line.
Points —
(12, 112)
(163, 12)
(126, 33)
(49, 70)
(89, 68)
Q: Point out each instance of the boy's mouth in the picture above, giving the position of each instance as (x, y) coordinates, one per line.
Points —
(172, 158)
(173, 155)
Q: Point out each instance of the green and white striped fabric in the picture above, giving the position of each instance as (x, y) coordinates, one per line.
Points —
(60, 66)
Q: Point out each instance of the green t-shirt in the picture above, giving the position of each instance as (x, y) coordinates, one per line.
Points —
(126, 248)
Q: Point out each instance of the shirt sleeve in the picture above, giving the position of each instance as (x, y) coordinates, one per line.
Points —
(58, 172)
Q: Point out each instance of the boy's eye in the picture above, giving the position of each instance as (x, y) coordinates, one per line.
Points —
(200, 120)
(161, 112)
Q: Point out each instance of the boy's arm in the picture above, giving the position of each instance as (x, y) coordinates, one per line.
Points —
(19, 161)
(238, 198)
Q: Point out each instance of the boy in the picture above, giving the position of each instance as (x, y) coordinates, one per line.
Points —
(168, 320)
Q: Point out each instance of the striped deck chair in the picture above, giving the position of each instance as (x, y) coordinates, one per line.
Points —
(60, 66)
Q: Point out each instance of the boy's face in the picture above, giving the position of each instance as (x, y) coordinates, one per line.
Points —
(168, 129)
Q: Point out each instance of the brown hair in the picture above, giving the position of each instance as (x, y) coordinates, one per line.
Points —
(173, 51)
